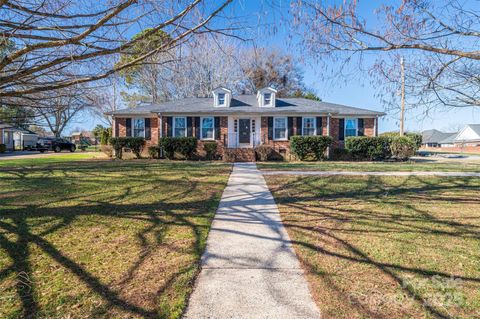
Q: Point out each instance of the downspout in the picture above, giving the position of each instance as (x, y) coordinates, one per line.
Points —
(160, 132)
(328, 132)
(375, 126)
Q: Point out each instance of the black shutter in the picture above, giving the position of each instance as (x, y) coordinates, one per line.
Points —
(128, 124)
(197, 126)
(319, 125)
(189, 126)
(148, 129)
(341, 129)
(116, 131)
(361, 127)
(169, 125)
(290, 126)
(299, 125)
(270, 127)
(217, 127)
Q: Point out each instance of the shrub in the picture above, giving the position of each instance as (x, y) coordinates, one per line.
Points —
(136, 144)
(403, 147)
(118, 143)
(210, 149)
(154, 151)
(341, 154)
(368, 148)
(310, 146)
(107, 149)
(264, 152)
(416, 137)
(3, 148)
(229, 155)
(105, 135)
(183, 145)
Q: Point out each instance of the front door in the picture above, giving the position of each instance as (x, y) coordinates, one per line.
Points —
(244, 131)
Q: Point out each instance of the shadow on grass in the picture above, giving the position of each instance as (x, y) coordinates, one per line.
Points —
(324, 221)
(16, 235)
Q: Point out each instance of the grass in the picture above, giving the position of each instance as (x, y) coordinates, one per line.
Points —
(50, 159)
(103, 239)
(425, 165)
(386, 247)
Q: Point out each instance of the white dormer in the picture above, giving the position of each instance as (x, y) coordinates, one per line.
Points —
(221, 97)
(266, 97)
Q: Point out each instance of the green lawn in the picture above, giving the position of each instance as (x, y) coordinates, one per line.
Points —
(386, 247)
(50, 159)
(458, 166)
(103, 239)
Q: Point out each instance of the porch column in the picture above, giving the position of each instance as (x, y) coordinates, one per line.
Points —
(328, 133)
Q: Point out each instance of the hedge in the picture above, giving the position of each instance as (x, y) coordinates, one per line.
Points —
(183, 145)
(368, 148)
(416, 137)
(3, 148)
(154, 151)
(305, 147)
(134, 143)
(403, 147)
(210, 149)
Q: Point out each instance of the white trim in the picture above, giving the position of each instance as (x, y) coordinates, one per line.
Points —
(201, 128)
(286, 128)
(345, 126)
(314, 125)
(173, 125)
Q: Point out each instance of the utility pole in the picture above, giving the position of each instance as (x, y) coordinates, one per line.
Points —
(402, 107)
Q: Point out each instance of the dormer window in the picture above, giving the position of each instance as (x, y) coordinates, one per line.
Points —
(267, 98)
(221, 98)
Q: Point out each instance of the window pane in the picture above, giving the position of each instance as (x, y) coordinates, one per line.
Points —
(308, 126)
(221, 98)
(207, 128)
(309, 131)
(280, 133)
(350, 132)
(280, 122)
(207, 122)
(180, 122)
(351, 124)
(267, 98)
(139, 127)
(180, 127)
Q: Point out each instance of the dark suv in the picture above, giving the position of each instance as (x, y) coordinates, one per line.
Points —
(61, 144)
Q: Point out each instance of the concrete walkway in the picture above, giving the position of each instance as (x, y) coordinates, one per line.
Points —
(249, 269)
(350, 173)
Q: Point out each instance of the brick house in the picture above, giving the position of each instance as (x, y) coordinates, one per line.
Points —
(244, 121)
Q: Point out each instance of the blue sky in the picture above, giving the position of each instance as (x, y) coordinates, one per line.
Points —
(264, 24)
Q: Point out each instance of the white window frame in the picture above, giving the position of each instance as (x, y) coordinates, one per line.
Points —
(224, 98)
(173, 125)
(314, 125)
(265, 98)
(286, 129)
(345, 126)
(132, 128)
(201, 128)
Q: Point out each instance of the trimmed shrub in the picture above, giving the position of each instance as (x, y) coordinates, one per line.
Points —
(264, 152)
(118, 143)
(305, 147)
(154, 151)
(416, 137)
(3, 148)
(403, 147)
(210, 149)
(368, 148)
(229, 155)
(186, 146)
(136, 144)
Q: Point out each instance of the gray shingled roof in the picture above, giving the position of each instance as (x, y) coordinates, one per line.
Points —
(436, 136)
(247, 104)
(475, 128)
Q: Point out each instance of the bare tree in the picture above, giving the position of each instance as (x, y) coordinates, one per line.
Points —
(443, 35)
(41, 38)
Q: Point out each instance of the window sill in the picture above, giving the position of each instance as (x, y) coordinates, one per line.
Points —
(280, 139)
(207, 139)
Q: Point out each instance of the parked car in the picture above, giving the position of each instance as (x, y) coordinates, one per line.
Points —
(61, 144)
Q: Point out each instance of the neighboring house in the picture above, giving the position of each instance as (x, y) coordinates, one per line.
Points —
(436, 138)
(86, 136)
(16, 138)
(245, 121)
(468, 136)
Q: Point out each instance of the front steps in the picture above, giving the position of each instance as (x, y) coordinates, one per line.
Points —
(240, 155)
